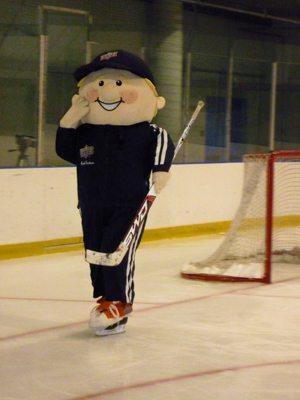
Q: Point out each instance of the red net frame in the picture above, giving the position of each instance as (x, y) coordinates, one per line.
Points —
(270, 160)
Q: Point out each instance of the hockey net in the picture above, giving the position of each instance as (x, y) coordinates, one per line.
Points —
(266, 227)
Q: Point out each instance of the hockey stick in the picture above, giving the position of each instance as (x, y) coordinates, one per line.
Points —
(113, 259)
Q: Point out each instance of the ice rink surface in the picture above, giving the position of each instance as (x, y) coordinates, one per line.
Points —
(187, 340)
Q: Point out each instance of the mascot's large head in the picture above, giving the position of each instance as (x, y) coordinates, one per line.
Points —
(120, 89)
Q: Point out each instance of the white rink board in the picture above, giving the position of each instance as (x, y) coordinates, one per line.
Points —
(39, 204)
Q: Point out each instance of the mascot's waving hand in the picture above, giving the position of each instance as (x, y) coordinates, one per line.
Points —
(107, 134)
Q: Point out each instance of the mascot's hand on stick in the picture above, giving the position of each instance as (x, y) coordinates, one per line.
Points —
(160, 180)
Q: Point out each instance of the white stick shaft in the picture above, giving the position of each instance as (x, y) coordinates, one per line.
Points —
(188, 127)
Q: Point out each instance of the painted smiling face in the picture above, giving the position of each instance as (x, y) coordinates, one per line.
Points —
(118, 97)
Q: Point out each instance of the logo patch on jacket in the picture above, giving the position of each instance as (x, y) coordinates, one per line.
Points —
(85, 153)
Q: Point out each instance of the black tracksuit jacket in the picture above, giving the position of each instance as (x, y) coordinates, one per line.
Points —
(114, 162)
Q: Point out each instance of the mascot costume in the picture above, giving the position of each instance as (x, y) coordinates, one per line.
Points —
(107, 134)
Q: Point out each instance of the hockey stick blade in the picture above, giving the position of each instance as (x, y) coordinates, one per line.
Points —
(114, 259)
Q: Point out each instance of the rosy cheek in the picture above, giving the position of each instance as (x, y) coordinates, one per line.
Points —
(129, 96)
(92, 95)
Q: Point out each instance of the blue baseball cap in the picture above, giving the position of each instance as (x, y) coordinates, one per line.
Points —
(116, 59)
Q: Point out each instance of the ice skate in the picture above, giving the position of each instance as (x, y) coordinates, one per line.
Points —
(108, 313)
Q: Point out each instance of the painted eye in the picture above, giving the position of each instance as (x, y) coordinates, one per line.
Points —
(101, 83)
(119, 83)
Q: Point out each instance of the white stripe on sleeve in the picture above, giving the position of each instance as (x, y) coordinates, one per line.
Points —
(161, 148)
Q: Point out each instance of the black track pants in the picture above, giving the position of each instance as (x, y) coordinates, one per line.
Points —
(103, 230)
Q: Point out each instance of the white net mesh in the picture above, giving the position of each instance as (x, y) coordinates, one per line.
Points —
(243, 251)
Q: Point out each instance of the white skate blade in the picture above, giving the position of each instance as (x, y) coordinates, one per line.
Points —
(114, 331)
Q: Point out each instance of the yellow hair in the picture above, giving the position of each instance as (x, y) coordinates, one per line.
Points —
(80, 83)
(152, 86)
(154, 91)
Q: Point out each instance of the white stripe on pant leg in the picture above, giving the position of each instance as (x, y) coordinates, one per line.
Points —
(130, 264)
